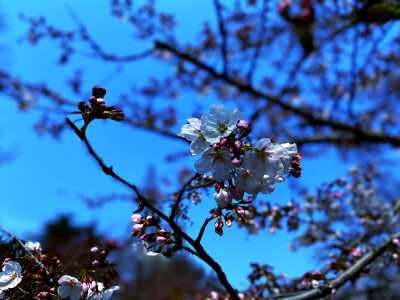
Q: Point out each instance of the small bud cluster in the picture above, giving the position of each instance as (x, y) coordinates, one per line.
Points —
(98, 108)
(156, 238)
(37, 274)
(313, 279)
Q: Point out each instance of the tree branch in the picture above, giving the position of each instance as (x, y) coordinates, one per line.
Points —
(359, 135)
(347, 275)
(202, 254)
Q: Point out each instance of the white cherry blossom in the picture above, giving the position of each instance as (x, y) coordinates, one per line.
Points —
(69, 286)
(11, 275)
(252, 185)
(219, 123)
(192, 133)
(285, 152)
(216, 161)
(260, 161)
(101, 293)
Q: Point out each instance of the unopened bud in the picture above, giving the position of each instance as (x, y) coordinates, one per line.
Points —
(243, 124)
(224, 141)
(222, 198)
(238, 144)
(136, 218)
(237, 161)
(216, 147)
(98, 92)
(117, 115)
(161, 239)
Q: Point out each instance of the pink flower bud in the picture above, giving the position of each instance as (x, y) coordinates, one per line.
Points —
(216, 147)
(94, 249)
(224, 141)
(395, 241)
(136, 218)
(243, 124)
(137, 227)
(95, 263)
(218, 226)
(149, 218)
(238, 144)
(237, 161)
(161, 239)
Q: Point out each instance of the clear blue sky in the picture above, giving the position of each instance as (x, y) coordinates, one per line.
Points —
(47, 177)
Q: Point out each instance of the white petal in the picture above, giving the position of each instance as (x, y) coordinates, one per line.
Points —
(203, 165)
(196, 123)
(262, 143)
(63, 291)
(219, 110)
(199, 146)
(189, 133)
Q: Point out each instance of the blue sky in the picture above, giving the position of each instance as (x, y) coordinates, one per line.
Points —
(47, 177)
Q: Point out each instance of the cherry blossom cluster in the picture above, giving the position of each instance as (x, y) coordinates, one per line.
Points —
(153, 236)
(98, 108)
(221, 139)
(37, 274)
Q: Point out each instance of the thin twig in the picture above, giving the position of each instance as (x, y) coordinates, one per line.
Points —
(203, 228)
(179, 199)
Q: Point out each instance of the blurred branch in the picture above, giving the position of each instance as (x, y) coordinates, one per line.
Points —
(359, 134)
(96, 47)
(257, 51)
(222, 31)
(347, 275)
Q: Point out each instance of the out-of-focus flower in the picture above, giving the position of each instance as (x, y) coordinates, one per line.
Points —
(33, 246)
